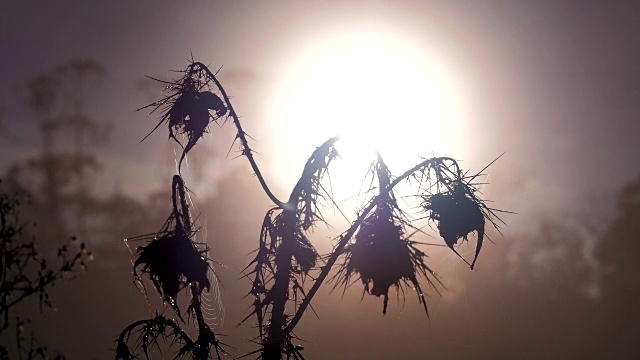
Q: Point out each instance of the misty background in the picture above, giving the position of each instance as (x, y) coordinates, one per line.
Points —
(554, 84)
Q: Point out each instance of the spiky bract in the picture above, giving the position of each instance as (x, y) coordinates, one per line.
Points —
(171, 259)
(457, 215)
(190, 106)
(146, 337)
(382, 255)
(172, 263)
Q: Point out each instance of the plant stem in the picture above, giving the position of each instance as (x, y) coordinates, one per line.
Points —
(344, 239)
(280, 290)
(246, 150)
(277, 334)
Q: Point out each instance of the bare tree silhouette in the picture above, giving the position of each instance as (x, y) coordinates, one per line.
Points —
(25, 271)
(57, 98)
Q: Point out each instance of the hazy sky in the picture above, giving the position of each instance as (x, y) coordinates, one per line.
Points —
(554, 84)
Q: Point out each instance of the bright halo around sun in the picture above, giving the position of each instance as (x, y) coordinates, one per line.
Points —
(379, 90)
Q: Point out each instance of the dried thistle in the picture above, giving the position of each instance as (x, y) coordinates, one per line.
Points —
(171, 259)
(263, 269)
(375, 248)
(457, 215)
(382, 255)
(190, 106)
(456, 209)
(139, 340)
(173, 262)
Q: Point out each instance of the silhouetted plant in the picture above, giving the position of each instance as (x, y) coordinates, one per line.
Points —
(377, 248)
(173, 261)
(30, 348)
(382, 254)
(456, 208)
(25, 271)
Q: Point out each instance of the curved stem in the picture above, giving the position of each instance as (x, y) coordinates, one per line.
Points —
(246, 150)
(160, 320)
(423, 165)
(307, 173)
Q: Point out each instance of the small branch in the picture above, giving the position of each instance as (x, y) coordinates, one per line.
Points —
(423, 165)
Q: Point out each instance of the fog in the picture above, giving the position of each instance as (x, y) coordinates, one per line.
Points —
(553, 85)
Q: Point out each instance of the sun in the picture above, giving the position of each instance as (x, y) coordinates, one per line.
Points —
(380, 90)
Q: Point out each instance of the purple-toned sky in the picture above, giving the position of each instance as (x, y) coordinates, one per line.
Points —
(554, 84)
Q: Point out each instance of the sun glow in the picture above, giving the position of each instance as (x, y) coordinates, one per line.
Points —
(379, 90)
